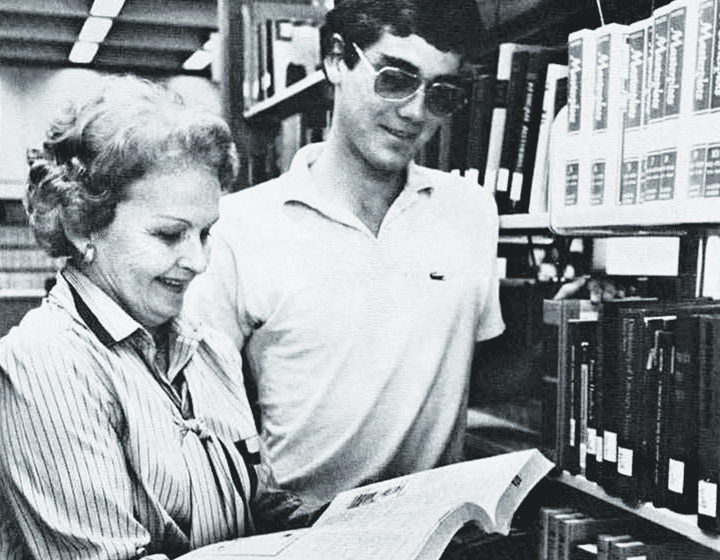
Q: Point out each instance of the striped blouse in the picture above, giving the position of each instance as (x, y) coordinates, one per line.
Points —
(96, 458)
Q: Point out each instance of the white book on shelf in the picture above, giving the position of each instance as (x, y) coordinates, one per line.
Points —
(538, 190)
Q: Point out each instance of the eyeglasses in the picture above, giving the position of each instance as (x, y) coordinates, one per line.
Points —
(394, 84)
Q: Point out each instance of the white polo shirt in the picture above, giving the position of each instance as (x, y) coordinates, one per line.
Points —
(361, 346)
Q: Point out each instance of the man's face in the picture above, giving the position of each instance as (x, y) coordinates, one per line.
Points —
(387, 134)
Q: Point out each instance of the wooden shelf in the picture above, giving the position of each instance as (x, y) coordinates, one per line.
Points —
(277, 103)
(685, 525)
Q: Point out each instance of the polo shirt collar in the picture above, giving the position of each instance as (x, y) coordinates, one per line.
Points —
(302, 187)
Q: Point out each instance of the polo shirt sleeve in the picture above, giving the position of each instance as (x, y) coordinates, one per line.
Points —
(62, 467)
(214, 296)
(490, 323)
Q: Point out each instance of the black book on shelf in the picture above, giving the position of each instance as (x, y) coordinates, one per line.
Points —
(678, 453)
(511, 131)
(582, 343)
(480, 115)
(708, 518)
(615, 335)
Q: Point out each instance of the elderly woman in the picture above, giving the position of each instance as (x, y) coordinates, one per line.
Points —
(124, 430)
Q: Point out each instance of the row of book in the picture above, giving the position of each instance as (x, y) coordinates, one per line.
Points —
(501, 138)
(568, 533)
(638, 400)
(642, 115)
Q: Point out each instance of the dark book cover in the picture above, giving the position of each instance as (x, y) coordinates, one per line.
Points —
(479, 120)
(665, 366)
(679, 438)
(556, 314)
(582, 341)
(521, 177)
(511, 132)
(636, 61)
(615, 336)
(709, 425)
(575, 93)
(675, 60)
(659, 67)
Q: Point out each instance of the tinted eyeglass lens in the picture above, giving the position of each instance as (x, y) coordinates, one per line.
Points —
(443, 99)
(393, 83)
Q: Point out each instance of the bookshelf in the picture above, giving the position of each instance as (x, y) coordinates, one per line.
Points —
(549, 22)
(685, 525)
(289, 100)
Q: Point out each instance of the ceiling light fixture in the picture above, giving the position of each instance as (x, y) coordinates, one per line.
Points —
(198, 60)
(203, 57)
(83, 52)
(106, 8)
(95, 29)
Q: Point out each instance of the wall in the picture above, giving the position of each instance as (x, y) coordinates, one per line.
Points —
(30, 96)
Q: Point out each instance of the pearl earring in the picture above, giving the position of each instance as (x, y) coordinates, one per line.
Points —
(88, 254)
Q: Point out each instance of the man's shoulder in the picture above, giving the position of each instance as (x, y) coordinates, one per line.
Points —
(456, 188)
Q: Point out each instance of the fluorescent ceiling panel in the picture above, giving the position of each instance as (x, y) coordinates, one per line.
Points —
(106, 8)
(82, 52)
(95, 29)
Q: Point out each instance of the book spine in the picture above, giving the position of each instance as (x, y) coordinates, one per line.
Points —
(675, 58)
(679, 441)
(636, 75)
(659, 67)
(591, 423)
(572, 456)
(709, 426)
(704, 55)
(715, 72)
(543, 523)
(479, 121)
(575, 83)
(538, 187)
(499, 114)
(521, 180)
(513, 125)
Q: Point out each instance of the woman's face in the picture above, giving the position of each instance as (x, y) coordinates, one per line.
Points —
(157, 243)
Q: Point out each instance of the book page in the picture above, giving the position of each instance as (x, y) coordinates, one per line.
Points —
(483, 482)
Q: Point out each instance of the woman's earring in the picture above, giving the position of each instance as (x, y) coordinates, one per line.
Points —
(88, 254)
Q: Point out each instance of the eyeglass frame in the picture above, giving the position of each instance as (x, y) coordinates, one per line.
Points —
(426, 84)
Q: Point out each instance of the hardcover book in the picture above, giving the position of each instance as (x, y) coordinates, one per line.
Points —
(406, 518)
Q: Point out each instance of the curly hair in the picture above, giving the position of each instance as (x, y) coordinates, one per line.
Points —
(448, 25)
(103, 143)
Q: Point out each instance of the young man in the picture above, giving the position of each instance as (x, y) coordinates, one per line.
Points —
(358, 283)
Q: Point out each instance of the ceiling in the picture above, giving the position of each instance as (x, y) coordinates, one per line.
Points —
(147, 37)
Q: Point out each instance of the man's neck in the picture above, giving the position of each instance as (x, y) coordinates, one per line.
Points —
(347, 179)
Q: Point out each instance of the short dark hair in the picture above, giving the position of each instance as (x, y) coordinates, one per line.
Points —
(104, 142)
(448, 25)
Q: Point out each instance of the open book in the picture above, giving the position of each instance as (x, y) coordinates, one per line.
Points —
(412, 517)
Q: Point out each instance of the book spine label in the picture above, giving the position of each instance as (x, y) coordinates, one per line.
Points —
(659, 67)
(712, 171)
(572, 181)
(704, 56)
(597, 183)
(629, 179)
(696, 172)
(602, 83)
(715, 73)
(668, 162)
(636, 73)
(675, 57)
(575, 71)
